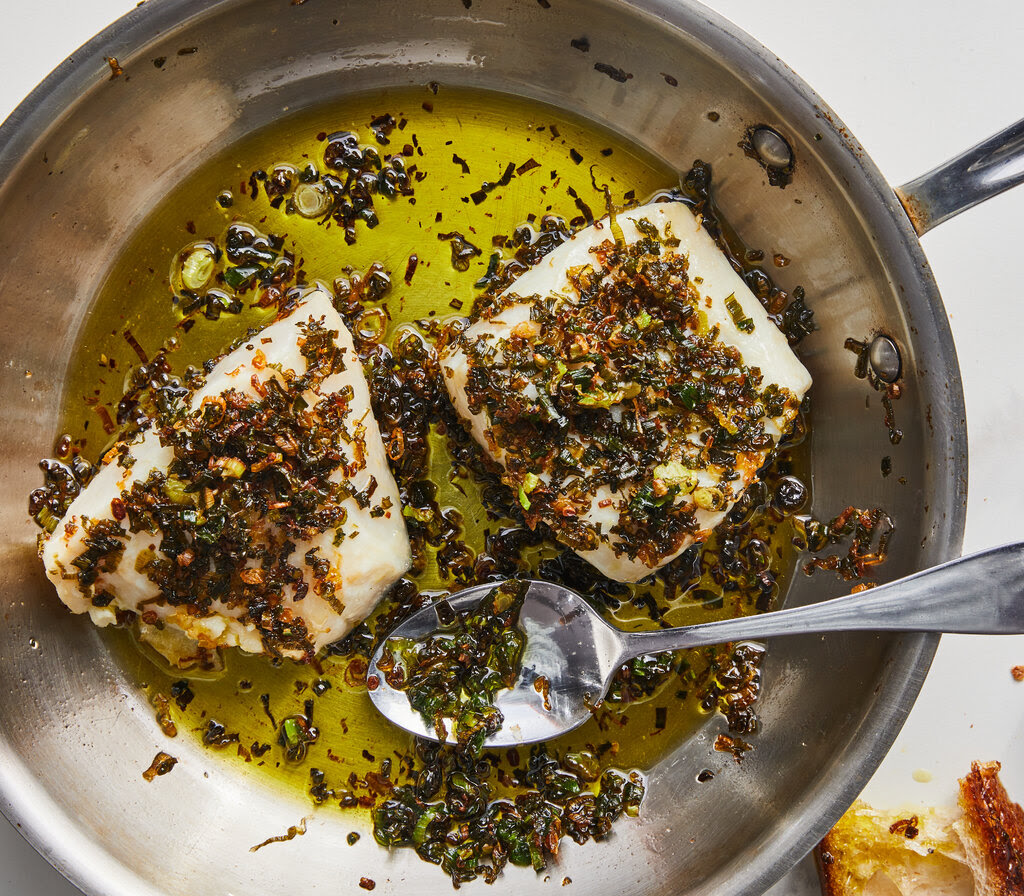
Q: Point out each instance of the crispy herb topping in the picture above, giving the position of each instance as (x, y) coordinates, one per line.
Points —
(448, 815)
(215, 277)
(621, 394)
(456, 674)
(868, 532)
(250, 478)
(344, 192)
(64, 477)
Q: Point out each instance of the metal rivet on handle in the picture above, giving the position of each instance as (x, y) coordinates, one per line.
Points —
(771, 147)
(884, 358)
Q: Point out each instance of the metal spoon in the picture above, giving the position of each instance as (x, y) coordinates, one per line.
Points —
(577, 652)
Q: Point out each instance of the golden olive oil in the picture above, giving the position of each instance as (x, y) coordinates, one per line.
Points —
(458, 147)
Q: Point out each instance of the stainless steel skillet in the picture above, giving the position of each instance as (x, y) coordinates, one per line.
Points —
(830, 710)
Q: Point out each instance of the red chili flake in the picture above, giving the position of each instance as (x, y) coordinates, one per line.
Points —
(908, 827)
(275, 457)
(735, 745)
(117, 509)
(366, 883)
(372, 683)
(543, 687)
(410, 268)
(161, 765)
(115, 67)
(108, 425)
(133, 342)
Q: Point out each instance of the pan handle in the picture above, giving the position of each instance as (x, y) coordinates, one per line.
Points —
(983, 171)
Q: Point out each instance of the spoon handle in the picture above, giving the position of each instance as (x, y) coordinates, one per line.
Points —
(979, 594)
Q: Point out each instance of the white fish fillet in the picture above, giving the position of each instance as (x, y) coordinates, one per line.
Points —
(712, 277)
(371, 556)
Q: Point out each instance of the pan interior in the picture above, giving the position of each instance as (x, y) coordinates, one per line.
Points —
(90, 158)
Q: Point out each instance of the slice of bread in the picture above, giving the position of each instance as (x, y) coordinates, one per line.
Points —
(992, 832)
(975, 850)
(872, 853)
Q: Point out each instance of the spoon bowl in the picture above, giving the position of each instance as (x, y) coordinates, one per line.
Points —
(570, 650)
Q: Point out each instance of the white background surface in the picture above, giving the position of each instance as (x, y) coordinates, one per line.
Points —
(916, 81)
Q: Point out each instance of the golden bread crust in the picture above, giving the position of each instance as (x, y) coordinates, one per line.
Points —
(992, 831)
